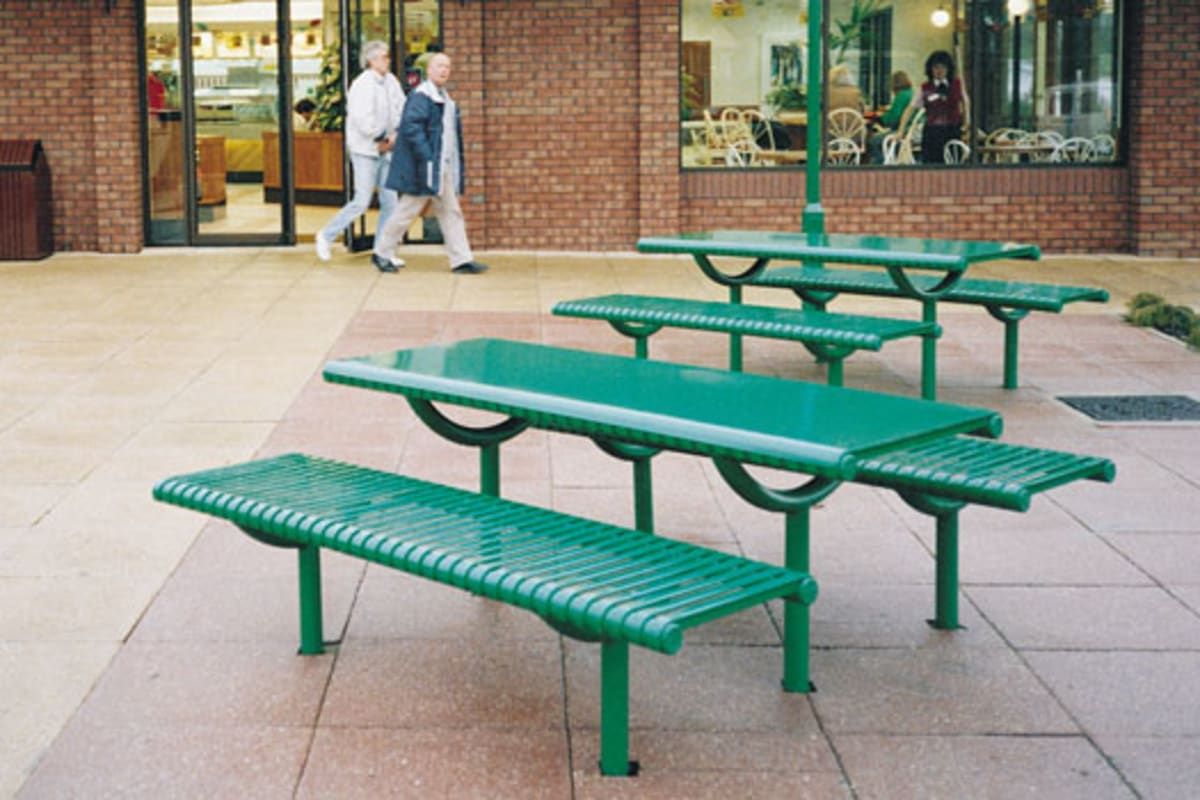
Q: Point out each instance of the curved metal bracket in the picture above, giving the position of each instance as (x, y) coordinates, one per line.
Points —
(828, 352)
(1010, 315)
(626, 451)
(268, 539)
(724, 278)
(458, 433)
(931, 504)
(816, 299)
(799, 498)
(905, 284)
(635, 330)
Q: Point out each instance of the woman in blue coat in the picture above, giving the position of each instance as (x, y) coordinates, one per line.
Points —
(428, 167)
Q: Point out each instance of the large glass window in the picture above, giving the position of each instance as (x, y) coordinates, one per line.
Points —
(1026, 82)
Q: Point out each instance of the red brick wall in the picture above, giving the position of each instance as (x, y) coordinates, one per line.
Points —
(1059, 209)
(1164, 90)
(462, 39)
(562, 119)
(76, 89)
(570, 114)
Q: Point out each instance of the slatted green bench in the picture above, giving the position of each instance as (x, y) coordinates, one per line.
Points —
(940, 477)
(587, 580)
(1006, 301)
(830, 337)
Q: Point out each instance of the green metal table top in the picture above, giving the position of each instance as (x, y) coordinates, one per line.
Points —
(805, 427)
(936, 254)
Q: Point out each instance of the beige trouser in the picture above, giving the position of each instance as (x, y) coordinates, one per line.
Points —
(449, 216)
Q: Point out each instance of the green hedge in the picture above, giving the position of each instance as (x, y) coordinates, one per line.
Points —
(1150, 310)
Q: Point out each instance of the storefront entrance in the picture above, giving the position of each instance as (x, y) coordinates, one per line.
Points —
(244, 111)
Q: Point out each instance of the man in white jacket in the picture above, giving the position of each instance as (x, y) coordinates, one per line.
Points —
(373, 108)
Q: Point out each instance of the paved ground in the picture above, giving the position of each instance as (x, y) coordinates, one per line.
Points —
(145, 652)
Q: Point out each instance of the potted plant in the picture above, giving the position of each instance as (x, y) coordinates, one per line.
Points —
(329, 97)
(787, 97)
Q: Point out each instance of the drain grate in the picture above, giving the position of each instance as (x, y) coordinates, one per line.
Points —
(1136, 407)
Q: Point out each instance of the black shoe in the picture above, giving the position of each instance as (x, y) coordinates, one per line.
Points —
(382, 264)
(470, 268)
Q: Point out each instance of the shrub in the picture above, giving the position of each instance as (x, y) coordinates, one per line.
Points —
(1146, 309)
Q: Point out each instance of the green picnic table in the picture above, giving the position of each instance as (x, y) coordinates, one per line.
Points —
(930, 271)
(634, 408)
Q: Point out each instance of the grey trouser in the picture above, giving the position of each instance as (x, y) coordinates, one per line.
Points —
(450, 218)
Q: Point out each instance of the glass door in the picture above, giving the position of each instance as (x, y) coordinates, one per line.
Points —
(239, 71)
(218, 100)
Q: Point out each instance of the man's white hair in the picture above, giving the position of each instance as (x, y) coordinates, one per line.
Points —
(371, 50)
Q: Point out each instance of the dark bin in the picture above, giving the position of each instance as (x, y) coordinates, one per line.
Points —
(26, 213)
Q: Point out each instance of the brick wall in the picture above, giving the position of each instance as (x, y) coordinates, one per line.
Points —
(77, 91)
(570, 110)
(562, 119)
(1059, 209)
(463, 41)
(1165, 127)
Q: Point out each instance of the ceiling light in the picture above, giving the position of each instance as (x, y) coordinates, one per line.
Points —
(940, 18)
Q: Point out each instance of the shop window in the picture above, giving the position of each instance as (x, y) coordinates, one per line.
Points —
(1039, 82)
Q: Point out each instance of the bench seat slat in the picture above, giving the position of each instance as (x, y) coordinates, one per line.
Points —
(975, 291)
(817, 327)
(981, 471)
(599, 579)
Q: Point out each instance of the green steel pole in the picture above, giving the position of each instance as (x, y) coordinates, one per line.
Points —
(614, 707)
(813, 219)
(946, 618)
(312, 637)
(796, 614)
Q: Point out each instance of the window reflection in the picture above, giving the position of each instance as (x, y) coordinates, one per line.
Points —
(1040, 81)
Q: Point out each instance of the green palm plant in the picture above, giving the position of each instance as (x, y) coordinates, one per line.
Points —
(846, 33)
(329, 96)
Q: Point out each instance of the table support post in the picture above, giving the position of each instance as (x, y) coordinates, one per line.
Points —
(796, 614)
(929, 352)
(643, 495)
(795, 504)
(1010, 354)
(312, 636)
(614, 708)
(735, 339)
(489, 469)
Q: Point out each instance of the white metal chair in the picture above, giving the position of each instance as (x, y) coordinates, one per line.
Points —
(843, 150)
(901, 148)
(956, 151)
(1075, 149)
(846, 123)
(1104, 147)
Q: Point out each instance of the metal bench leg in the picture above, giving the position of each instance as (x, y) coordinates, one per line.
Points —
(946, 614)
(946, 593)
(929, 353)
(312, 637)
(614, 709)
(1011, 319)
(796, 675)
(835, 372)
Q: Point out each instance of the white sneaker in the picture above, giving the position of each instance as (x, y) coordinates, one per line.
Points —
(397, 262)
(323, 251)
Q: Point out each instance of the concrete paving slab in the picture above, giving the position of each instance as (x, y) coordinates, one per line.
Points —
(993, 767)
(150, 361)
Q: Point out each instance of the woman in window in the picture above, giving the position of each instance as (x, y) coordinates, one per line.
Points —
(945, 109)
(902, 92)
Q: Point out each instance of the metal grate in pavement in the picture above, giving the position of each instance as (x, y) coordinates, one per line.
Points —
(1136, 407)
